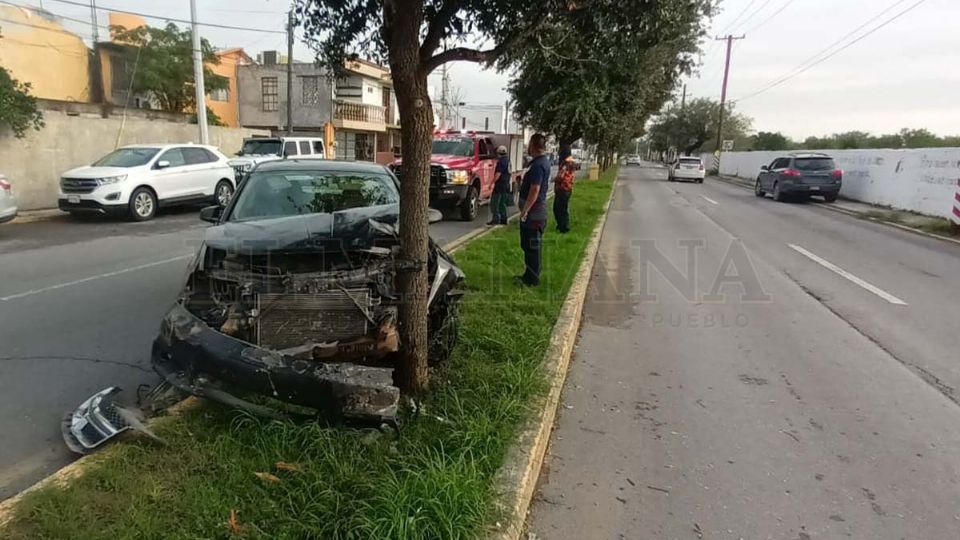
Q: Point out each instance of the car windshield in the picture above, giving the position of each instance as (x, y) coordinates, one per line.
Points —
(261, 147)
(127, 157)
(289, 193)
(453, 147)
(815, 164)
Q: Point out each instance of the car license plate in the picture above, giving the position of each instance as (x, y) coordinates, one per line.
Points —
(814, 188)
(73, 199)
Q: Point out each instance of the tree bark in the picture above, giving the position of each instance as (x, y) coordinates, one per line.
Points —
(402, 21)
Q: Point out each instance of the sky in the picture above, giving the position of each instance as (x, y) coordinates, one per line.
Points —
(903, 75)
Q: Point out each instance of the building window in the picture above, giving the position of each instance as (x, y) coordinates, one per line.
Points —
(220, 94)
(268, 93)
(311, 90)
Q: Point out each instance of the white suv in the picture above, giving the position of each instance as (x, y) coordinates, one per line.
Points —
(256, 150)
(136, 180)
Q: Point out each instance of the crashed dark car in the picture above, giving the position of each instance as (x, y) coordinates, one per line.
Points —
(293, 295)
(293, 298)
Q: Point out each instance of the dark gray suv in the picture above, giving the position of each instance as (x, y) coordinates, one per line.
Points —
(800, 174)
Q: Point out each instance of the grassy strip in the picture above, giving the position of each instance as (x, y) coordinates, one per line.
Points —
(436, 481)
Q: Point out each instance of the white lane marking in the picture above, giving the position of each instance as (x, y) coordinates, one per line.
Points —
(92, 278)
(843, 273)
(709, 200)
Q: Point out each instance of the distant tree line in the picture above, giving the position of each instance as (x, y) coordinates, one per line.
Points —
(852, 140)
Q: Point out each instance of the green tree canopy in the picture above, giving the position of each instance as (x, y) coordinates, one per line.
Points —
(164, 64)
(18, 109)
(693, 127)
(764, 140)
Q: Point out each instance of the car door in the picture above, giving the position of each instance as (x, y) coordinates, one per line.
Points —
(174, 180)
(769, 177)
(487, 167)
(204, 172)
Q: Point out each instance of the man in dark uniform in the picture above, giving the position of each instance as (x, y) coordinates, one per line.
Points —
(501, 189)
(533, 209)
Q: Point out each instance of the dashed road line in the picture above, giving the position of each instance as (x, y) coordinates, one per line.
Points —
(847, 275)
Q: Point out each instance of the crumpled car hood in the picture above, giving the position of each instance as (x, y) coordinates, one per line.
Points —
(356, 228)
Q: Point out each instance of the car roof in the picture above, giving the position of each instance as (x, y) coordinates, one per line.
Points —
(321, 165)
(164, 146)
(809, 155)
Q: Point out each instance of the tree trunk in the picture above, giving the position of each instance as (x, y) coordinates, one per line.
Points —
(402, 21)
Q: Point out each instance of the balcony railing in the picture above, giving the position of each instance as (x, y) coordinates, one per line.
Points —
(359, 112)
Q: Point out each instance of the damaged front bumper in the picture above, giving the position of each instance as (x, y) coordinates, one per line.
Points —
(95, 421)
(201, 361)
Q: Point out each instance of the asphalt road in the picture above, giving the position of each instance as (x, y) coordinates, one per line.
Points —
(80, 303)
(814, 397)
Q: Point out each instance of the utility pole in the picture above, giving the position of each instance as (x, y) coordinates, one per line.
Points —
(723, 93)
(93, 19)
(198, 84)
(443, 97)
(683, 100)
(290, 72)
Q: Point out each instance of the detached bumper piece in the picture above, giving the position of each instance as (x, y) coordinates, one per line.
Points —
(96, 420)
(201, 361)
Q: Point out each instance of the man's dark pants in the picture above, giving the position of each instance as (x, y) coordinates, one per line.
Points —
(498, 207)
(531, 242)
(561, 209)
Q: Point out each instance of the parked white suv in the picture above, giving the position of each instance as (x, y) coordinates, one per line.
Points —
(256, 150)
(136, 180)
(8, 203)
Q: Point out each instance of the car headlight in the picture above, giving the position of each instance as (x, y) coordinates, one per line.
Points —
(457, 176)
(111, 179)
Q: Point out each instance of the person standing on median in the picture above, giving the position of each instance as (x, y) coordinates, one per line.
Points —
(533, 209)
(562, 190)
(501, 189)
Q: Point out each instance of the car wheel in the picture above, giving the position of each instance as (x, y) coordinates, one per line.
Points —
(471, 206)
(777, 194)
(830, 198)
(757, 190)
(223, 192)
(143, 204)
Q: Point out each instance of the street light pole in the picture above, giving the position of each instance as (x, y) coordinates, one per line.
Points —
(201, 106)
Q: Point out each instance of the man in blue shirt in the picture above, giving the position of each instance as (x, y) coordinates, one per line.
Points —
(533, 209)
(501, 189)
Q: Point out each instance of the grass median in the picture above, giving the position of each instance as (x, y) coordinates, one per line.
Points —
(225, 474)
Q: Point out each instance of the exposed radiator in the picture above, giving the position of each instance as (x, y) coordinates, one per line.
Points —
(291, 320)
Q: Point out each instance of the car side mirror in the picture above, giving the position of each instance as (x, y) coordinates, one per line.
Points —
(764, 168)
(163, 164)
(211, 214)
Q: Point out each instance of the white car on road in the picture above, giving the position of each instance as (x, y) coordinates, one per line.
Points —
(686, 168)
(8, 203)
(136, 180)
(257, 150)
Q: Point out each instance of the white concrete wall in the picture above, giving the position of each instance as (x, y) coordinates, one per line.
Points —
(922, 180)
(34, 164)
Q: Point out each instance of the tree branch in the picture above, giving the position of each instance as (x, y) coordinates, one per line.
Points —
(488, 56)
(437, 26)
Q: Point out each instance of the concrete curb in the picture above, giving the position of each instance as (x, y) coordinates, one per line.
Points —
(517, 480)
(33, 216)
(852, 213)
(79, 467)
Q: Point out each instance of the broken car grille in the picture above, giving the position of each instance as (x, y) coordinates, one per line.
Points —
(292, 320)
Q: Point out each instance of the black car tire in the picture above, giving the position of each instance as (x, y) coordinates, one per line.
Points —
(226, 188)
(778, 195)
(757, 190)
(471, 205)
(830, 198)
(143, 204)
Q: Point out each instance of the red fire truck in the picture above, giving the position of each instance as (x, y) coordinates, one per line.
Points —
(462, 168)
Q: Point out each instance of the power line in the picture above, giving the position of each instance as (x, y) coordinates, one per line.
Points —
(768, 19)
(834, 53)
(752, 15)
(173, 19)
(737, 18)
(57, 15)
